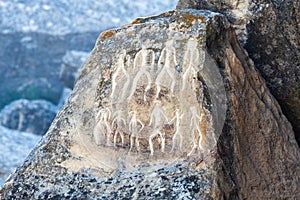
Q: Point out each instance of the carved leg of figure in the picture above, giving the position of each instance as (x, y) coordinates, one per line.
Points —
(134, 84)
(163, 141)
(177, 133)
(173, 81)
(194, 144)
(131, 142)
(172, 86)
(148, 85)
(158, 82)
(113, 82)
(192, 151)
(122, 138)
(97, 134)
(125, 88)
(137, 144)
(174, 140)
(200, 139)
(154, 133)
(183, 84)
(115, 138)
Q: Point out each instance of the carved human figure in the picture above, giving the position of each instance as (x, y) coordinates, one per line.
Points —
(135, 127)
(102, 128)
(167, 64)
(120, 123)
(120, 73)
(178, 129)
(192, 63)
(157, 117)
(195, 129)
(143, 62)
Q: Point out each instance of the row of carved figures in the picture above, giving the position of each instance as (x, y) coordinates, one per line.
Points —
(109, 127)
(144, 62)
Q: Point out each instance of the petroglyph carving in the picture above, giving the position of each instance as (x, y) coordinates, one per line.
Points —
(102, 128)
(128, 124)
(143, 62)
(167, 63)
(119, 122)
(135, 127)
(158, 117)
(195, 129)
(193, 63)
(120, 73)
(178, 129)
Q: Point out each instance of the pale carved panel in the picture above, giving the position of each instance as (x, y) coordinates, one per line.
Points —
(155, 105)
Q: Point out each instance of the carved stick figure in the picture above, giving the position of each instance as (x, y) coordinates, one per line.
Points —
(167, 62)
(195, 119)
(120, 124)
(159, 117)
(178, 131)
(193, 62)
(120, 72)
(102, 127)
(133, 129)
(144, 62)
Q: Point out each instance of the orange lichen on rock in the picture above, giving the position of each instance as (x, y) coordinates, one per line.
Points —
(107, 34)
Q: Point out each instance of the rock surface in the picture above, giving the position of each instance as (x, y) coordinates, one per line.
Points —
(270, 33)
(198, 121)
(28, 116)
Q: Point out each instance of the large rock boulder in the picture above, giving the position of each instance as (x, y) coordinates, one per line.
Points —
(270, 33)
(167, 107)
(28, 116)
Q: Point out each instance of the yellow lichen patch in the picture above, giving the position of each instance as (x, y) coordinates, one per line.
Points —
(107, 34)
(194, 17)
(138, 21)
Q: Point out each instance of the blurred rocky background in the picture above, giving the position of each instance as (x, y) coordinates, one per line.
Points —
(43, 44)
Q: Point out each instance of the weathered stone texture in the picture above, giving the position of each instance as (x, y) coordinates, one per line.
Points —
(176, 77)
(270, 33)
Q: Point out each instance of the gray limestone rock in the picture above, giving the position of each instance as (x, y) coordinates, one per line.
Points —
(167, 107)
(28, 116)
(270, 33)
